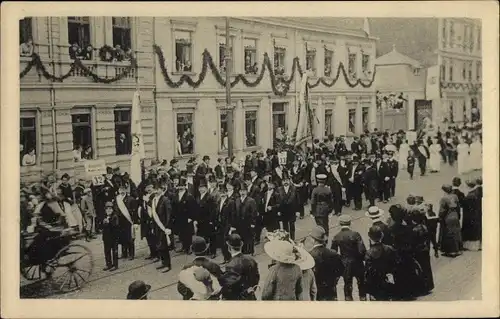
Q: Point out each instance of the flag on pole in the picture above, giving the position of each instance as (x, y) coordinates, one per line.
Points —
(305, 115)
(366, 27)
(137, 140)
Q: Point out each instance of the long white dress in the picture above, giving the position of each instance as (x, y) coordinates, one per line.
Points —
(435, 160)
(475, 157)
(463, 158)
(403, 155)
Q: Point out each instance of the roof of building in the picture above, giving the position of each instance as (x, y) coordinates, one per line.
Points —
(396, 58)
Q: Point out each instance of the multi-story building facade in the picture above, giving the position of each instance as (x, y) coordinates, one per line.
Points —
(459, 57)
(63, 107)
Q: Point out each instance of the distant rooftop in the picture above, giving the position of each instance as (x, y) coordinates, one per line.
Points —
(396, 58)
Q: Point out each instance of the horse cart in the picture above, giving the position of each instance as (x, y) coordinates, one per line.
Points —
(52, 254)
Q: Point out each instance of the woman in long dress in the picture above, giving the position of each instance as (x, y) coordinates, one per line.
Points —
(435, 160)
(403, 154)
(462, 157)
(476, 158)
(472, 218)
(450, 236)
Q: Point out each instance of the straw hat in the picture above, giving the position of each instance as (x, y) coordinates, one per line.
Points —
(374, 212)
(306, 261)
(283, 251)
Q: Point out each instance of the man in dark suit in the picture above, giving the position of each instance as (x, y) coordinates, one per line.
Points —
(370, 181)
(355, 183)
(321, 203)
(328, 265)
(206, 219)
(352, 253)
(201, 172)
(297, 174)
(288, 209)
(243, 219)
(184, 208)
(384, 178)
(219, 169)
(162, 215)
(174, 168)
(394, 170)
(245, 266)
(225, 208)
(126, 206)
(376, 214)
(255, 192)
(355, 146)
(146, 219)
(269, 206)
(336, 183)
(423, 155)
(110, 237)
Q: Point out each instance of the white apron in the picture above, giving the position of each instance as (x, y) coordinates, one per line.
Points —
(463, 158)
(435, 160)
(476, 158)
(403, 155)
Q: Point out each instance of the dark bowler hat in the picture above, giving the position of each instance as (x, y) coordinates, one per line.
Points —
(375, 233)
(235, 241)
(319, 234)
(199, 246)
(206, 157)
(138, 290)
(182, 181)
(108, 204)
(109, 170)
(203, 183)
(447, 188)
(173, 161)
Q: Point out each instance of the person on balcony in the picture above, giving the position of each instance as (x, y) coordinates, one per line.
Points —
(119, 54)
(87, 53)
(77, 153)
(74, 51)
(29, 159)
(26, 48)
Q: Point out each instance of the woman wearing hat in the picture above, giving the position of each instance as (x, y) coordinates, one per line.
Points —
(472, 215)
(449, 218)
(138, 290)
(309, 287)
(202, 284)
(284, 281)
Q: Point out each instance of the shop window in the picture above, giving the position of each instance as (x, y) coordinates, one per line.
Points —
(183, 51)
(28, 139)
(328, 63)
(81, 121)
(78, 35)
(250, 47)
(250, 128)
(279, 123)
(279, 60)
(185, 135)
(123, 135)
(224, 143)
(222, 53)
(122, 33)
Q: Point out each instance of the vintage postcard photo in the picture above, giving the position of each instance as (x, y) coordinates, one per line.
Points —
(175, 153)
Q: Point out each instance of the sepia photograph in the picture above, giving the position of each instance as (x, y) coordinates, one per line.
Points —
(246, 157)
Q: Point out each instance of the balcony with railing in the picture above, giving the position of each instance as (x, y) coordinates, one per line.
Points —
(70, 64)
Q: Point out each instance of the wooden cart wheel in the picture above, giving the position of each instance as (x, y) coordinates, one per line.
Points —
(73, 266)
(37, 272)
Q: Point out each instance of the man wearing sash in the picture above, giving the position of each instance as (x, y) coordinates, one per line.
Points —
(225, 207)
(162, 213)
(423, 155)
(336, 183)
(126, 207)
(355, 184)
(146, 218)
(205, 217)
(288, 209)
(270, 205)
(243, 220)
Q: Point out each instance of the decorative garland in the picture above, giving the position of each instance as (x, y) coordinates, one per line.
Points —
(280, 85)
(77, 64)
(463, 86)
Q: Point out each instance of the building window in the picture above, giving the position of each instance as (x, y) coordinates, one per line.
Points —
(250, 46)
(28, 139)
(82, 134)
(365, 118)
(416, 71)
(328, 122)
(451, 73)
(365, 64)
(311, 60)
(478, 71)
(279, 123)
(443, 72)
(25, 30)
(451, 113)
(123, 134)
(352, 121)
(250, 128)
(183, 51)
(122, 38)
(452, 33)
(79, 32)
(352, 65)
(464, 71)
(479, 39)
(279, 60)
(470, 71)
(185, 132)
(328, 62)
(443, 40)
(222, 53)
(224, 143)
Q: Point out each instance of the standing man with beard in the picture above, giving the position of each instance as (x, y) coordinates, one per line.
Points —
(370, 181)
(298, 180)
(162, 214)
(384, 178)
(206, 218)
(270, 205)
(355, 183)
(243, 220)
(146, 219)
(393, 169)
(255, 192)
(225, 209)
(201, 172)
(423, 156)
(288, 209)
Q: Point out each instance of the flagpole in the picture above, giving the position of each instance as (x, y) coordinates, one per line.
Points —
(229, 106)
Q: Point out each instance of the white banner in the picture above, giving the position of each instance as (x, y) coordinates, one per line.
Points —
(138, 152)
(303, 116)
(282, 158)
(432, 85)
(94, 168)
